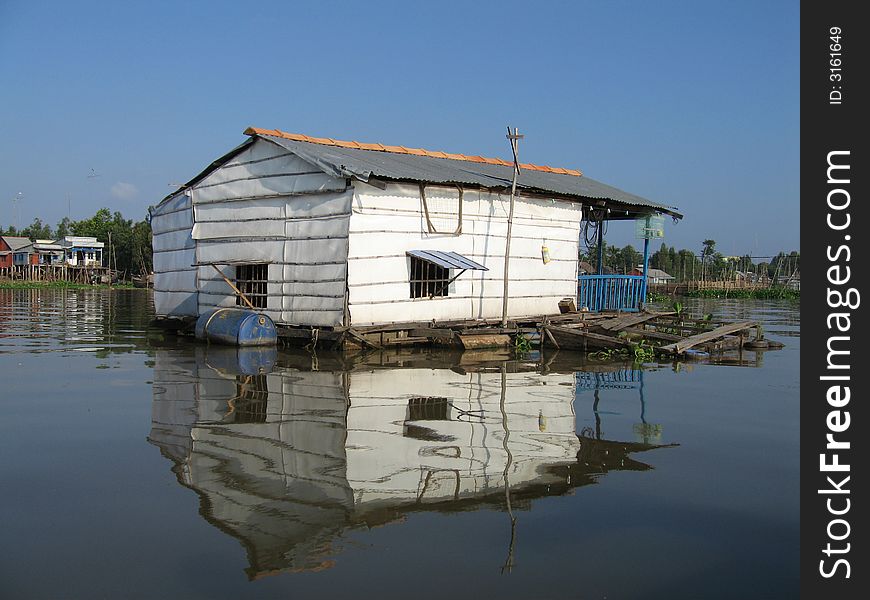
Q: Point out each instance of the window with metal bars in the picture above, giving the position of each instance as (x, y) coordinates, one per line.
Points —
(428, 279)
(252, 281)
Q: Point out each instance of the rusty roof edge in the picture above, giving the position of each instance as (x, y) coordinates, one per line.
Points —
(299, 137)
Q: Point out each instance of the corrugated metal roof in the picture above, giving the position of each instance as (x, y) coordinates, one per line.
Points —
(448, 260)
(15, 242)
(363, 164)
(300, 137)
(659, 274)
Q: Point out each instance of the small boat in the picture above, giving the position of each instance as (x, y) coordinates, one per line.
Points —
(144, 281)
(579, 338)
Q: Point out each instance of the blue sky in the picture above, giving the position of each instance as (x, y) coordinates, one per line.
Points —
(692, 104)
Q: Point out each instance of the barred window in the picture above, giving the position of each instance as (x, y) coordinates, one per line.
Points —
(251, 281)
(428, 279)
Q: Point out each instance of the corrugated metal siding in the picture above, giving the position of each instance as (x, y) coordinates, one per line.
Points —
(388, 223)
(266, 205)
(174, 252)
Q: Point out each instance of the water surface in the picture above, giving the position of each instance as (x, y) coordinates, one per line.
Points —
(139, 465)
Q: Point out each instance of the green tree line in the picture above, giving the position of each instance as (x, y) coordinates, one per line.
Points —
(707, 264)
(130, 249)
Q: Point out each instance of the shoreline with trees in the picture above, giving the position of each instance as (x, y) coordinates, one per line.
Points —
(709, 265)
(128, 242)
(131, 254)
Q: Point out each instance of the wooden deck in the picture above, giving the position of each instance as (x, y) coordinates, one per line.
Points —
(664, 333)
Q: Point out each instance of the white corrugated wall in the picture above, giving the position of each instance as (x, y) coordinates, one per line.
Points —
(387, 223)
(267, 205)
(321, 237)
(264, 205)
(174, 253)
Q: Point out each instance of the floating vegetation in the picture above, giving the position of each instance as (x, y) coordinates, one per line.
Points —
(10, 284)
(640, 352)
(774, 293)
(656, 297)
(522, 344)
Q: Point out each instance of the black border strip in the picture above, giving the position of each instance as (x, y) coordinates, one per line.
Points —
(833, 102)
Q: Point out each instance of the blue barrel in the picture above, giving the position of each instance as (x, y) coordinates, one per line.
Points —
(236, 327)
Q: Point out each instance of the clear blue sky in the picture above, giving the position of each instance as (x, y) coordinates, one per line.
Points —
(692, 104)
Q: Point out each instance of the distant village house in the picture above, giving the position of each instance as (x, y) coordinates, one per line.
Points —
(653, 275)
(9, 246)
(82, 251)
(71, 250)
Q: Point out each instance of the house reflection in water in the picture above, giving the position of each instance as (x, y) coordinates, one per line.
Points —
(286, 459)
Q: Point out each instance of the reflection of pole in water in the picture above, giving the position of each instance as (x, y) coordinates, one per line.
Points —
(646, 432)
(509, 561)
(595, 410)
(642, 401)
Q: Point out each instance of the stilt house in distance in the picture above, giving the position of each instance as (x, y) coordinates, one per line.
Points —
(328, 234)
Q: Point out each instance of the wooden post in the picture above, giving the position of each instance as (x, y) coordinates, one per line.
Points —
(513, 137)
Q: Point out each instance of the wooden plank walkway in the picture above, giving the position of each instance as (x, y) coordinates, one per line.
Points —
(666, 332)
(708, 336)
(620, 323)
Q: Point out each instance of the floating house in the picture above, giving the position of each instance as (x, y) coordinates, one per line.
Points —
(653, 275)
(326, 234)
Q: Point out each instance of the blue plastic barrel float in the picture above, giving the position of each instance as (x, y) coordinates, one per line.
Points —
(236, 327)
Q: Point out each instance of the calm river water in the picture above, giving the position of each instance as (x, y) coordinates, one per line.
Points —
(141, 466)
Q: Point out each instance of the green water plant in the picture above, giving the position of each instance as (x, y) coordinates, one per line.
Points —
(643, 352)
(638, 352)
(522, 344)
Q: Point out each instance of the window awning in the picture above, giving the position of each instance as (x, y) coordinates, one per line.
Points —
(447, 260)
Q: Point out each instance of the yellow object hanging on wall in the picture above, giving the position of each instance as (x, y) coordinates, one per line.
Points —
(545, 253)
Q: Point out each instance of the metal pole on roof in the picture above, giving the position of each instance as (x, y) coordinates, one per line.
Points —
(645, 283)
(600, 230)
(514, 139)
(15, 200)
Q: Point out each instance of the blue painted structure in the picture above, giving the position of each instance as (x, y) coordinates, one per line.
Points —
(645, 270)
(610, 292)
(236, 327)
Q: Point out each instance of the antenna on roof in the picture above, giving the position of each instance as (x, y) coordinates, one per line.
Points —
(17, 209)
(514, 139)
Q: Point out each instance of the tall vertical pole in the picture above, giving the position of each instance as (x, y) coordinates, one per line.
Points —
(600, 269)
(514, 138)
(645, 271)
(15, 200)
